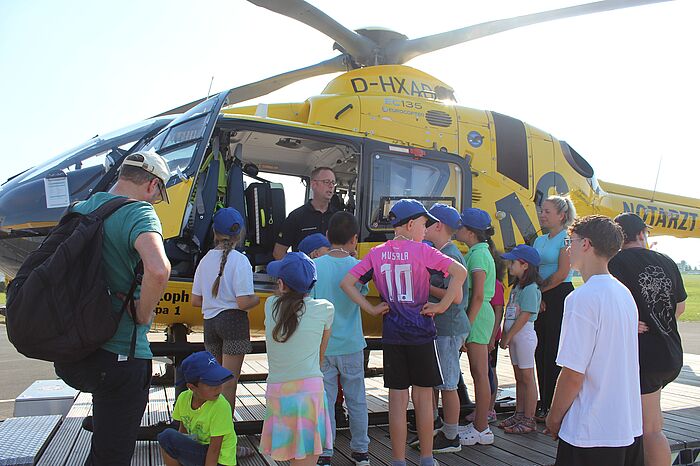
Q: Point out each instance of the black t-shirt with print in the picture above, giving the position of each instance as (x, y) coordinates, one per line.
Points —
(657, 286)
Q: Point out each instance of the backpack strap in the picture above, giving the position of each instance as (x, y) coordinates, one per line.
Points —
(129, 301)
(111, 206)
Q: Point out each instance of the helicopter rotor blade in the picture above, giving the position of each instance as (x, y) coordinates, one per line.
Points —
(273, 83)
(354, 44)
(403, 51)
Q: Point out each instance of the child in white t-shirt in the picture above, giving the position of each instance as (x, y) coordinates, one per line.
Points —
(519, 335)
(223, 288)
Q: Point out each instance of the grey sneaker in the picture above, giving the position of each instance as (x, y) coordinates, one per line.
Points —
(442, 444)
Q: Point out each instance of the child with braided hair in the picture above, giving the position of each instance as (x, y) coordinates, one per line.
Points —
(223, 288)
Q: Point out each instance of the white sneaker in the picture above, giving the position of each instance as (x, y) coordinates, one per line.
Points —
(471, 436)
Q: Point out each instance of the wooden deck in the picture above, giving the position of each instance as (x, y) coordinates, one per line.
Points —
(680, 402)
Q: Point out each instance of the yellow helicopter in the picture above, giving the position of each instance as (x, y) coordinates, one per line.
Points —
(388, 130)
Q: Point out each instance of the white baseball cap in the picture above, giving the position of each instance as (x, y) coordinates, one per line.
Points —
(154, 164)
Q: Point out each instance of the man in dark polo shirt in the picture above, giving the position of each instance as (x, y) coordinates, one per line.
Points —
(310, 218)
(657, 288)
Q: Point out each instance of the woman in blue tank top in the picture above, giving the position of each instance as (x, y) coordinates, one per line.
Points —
(556, 214)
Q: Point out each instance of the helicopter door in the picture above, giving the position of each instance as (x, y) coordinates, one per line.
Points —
(183, 144)
(391, 172)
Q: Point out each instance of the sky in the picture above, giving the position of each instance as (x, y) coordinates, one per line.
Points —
(620, 87)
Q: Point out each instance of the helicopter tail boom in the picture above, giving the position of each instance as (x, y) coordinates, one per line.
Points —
(667, 214)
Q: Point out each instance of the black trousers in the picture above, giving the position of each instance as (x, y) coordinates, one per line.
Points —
(119, 397)
(548, 329)
(632, 455)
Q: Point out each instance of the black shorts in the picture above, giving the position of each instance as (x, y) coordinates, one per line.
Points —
(406, 365)
(654, 381)
(228, 332)
(632, 455)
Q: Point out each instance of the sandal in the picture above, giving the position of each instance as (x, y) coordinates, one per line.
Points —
(511, 421)
(524, 426)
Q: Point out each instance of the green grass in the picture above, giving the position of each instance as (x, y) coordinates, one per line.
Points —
(2, 299)
(692, 304)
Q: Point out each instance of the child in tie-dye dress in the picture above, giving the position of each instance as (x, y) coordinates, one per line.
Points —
(297, 329)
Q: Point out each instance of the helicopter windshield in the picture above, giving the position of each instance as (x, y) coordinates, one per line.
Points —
(397, 176)
(95, 151)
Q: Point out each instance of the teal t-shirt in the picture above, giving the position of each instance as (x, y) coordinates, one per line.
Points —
(454, 320)
(549, 249)
(212, 419)
(119, 259)
(346, 333)
(524, 300)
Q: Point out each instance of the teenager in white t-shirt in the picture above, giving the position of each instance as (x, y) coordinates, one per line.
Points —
(597, 409)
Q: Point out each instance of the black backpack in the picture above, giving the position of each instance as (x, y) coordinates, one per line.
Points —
(58, 306)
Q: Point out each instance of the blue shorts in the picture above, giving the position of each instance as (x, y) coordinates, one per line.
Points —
(448, 354)
(187, 451)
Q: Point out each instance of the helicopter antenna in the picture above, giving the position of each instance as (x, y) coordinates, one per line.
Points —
(210, 83)
(653, 194)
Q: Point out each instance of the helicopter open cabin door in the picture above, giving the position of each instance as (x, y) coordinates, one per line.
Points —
(183, 144)
(395, 172)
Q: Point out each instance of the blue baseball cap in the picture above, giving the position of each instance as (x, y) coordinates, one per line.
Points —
(203, 367)
(408, 209)
(228, 221)
(525, 253)
(313, 242)
(446, 214)
(296, 270)
(476, 218)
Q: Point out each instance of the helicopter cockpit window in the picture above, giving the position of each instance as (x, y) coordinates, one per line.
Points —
(173, 145)
(396, 177)
(188, 131)
(179, 159)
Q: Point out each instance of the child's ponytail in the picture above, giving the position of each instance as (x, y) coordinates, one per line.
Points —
(226, 244)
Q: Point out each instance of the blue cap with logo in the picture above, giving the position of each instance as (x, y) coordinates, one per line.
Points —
(525, 253)
(296, 270)
(446, 214)
(228, 221)
(476, 219)
(203, 367)
(313, 242)
(408, 209)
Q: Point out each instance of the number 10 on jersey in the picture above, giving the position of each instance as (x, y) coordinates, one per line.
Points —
(398, 282)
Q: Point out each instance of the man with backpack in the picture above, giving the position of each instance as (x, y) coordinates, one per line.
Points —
(119, 373)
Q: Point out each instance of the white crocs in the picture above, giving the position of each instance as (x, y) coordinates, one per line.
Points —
(471, 436)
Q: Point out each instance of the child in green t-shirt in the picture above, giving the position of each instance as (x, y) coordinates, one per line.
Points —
(476, 233)
(206, 436)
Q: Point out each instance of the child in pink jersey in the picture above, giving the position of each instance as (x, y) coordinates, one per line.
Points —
(400, 269)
